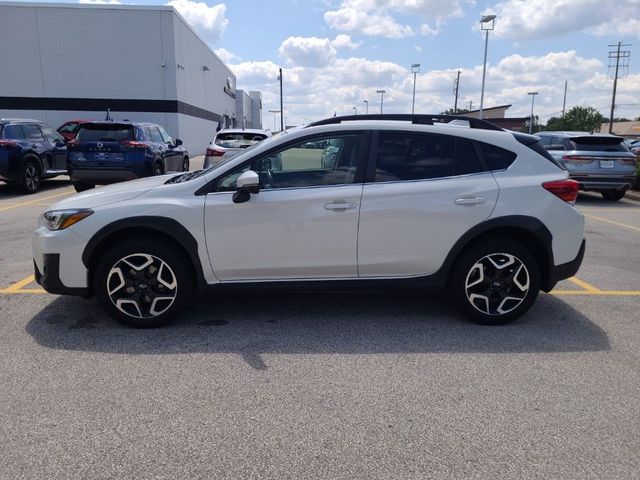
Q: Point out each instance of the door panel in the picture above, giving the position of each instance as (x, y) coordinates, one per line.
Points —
(289, 233)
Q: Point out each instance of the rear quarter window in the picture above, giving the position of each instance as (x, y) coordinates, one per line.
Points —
(497, 158)
(12, 132)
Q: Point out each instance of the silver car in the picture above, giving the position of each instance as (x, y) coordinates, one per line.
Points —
(600, 163)
(229, 142)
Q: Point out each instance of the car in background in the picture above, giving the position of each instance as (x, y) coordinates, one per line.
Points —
(30, 151)
(109, 152)
(69, 129)
(229, 142)
(633, 145)
(599, 162)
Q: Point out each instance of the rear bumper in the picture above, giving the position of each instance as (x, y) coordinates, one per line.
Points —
(602, 182)
(566, 270)
(50, 280)
(103, 177)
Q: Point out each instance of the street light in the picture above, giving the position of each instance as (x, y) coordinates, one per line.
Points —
(533, 96)
(486, 24)
(381, 92)
(355, 110)
(366, 106)
(415, 69)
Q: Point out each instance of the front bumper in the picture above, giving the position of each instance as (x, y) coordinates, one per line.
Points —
(49, 279)
(566, 270)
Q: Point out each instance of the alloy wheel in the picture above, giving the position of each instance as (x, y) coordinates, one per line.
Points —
(142, 285)
(497, 284)
(31, 178)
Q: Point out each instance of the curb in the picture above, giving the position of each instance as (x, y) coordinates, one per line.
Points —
(632, 195)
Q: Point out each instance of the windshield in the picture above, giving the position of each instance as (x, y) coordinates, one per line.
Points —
(238, 139)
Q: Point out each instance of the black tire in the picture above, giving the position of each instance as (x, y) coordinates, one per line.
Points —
(185, 164)
(29, 181)
(488, 279)
(613, 195)
(158, 169)
(126, 283)
(81, 187)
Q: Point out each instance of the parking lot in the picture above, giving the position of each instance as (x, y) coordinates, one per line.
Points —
(327, 385)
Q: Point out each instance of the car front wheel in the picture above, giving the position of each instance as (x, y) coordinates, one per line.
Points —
(142, 284)
(495, 282)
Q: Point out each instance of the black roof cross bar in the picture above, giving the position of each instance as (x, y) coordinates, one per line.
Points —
(416, 119)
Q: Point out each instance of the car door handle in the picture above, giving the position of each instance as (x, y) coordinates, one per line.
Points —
(469, 200)
(340, 205)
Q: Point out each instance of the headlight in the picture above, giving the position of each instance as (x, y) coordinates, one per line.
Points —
(61, 219)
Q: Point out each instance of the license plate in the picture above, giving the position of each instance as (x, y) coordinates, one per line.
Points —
(606, 163)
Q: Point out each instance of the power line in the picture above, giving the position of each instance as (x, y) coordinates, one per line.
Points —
(617, 55)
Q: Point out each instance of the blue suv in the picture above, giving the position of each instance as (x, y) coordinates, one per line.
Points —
(108, 152)
(30, 151)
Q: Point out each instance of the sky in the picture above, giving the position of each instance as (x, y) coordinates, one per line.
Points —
(336, 53)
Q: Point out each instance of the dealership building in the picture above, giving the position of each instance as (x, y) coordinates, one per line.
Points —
(65, 62)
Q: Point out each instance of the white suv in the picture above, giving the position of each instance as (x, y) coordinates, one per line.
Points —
(368, 201)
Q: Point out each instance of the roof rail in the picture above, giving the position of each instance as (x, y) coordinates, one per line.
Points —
(415, 119)
(15, 119)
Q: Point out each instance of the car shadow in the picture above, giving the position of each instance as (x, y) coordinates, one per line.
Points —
(10, 192)
(333, 323)
(593, 199)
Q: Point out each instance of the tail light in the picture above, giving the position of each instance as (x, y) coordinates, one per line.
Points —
(134, 144)
(628, 161)
(212, 152)
(566, 190)
(577, 159)
(8, 143)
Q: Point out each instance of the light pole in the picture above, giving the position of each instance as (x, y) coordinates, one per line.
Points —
(381, 92)
(366, 106)
(533, 96)
(355, 109)
(274, 118)
(281, 107)
(415, 69)
(486, 24)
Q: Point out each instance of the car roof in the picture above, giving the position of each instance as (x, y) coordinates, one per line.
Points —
(243, 130)
(20, 120)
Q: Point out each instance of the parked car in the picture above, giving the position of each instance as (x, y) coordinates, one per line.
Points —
(108, 152)
(601, 163)
(229, 142)
(69, 129)
(633, 145)
(483, 213)
(30, 151)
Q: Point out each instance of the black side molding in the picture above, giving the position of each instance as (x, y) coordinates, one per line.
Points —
(50, 278)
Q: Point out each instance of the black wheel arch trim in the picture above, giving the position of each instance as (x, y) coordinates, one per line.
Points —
(163, 225)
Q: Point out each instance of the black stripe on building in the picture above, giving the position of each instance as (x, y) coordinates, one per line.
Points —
(104, 104)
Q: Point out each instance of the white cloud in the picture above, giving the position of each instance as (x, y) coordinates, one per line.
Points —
(210, 22)
(376, 17)
(344, 41)
(535, 19)
(226, 56)
(307, 51)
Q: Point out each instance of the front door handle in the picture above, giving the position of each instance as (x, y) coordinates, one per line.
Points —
(469, 200)
(340, 205)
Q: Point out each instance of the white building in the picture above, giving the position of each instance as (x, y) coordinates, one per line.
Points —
(144, 63)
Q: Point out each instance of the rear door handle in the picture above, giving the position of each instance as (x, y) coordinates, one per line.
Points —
(340, 205)
(469, 200)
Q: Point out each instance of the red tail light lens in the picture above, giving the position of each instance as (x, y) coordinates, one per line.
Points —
(577, 159)
(133, 144)
(566, 190)
(8, 143)
(212, 152)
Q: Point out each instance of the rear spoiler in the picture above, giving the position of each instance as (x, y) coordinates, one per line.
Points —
(597, 139)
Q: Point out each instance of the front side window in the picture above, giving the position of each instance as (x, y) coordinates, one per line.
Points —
(406, 156)
(165, 136)
(51, 135)
(32, 133)
(69, 128)
(321, 162)
(155, 135)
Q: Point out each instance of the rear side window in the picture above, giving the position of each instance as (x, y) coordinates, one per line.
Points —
(409, 156)
(238, 139)
(496, 158)
(155, 135)
(13, 132)
(33, 133)
(101, 133)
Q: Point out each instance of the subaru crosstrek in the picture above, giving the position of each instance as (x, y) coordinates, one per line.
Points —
(600, 163)
(407, 201)
(107, 152)
(30, 151)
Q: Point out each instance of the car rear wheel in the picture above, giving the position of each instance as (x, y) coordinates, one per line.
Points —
(495, 282)
(185, 165)
(142, 284)
(81, 187)
(614, 195)
(29, 176)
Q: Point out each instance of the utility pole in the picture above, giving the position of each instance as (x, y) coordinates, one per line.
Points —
(470, 105)
(456, 89)
(281, 109)
(564, 102)
(617, 55)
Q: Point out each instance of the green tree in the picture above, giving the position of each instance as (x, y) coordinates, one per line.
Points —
(449, 111)
(585, 119)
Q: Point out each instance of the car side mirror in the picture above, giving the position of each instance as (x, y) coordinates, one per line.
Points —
(60, 143)
(247, 183)
(178, 142)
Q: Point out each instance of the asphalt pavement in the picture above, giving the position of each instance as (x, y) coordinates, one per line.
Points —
(328, 385)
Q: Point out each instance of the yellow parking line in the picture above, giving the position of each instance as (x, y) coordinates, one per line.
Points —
(18, 285)
(31, 202)
(585, 285)
(637, 229)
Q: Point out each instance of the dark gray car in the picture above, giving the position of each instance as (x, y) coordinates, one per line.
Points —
(600, 163)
